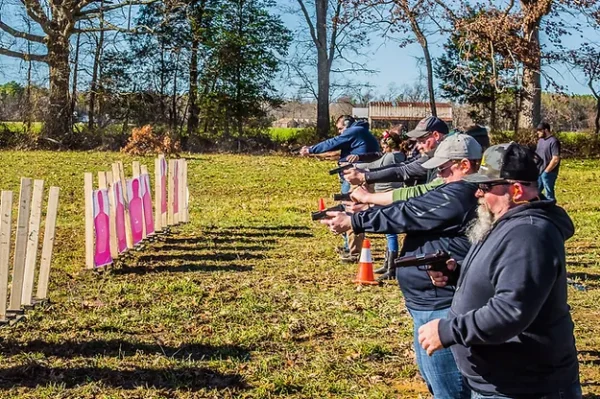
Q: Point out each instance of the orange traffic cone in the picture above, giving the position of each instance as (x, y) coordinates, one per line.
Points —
(365, 266)
(322, 206)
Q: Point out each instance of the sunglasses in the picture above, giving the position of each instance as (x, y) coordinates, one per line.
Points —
(487, 187)
(439, 169)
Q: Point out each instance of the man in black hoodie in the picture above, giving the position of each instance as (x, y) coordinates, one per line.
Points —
(509, 326)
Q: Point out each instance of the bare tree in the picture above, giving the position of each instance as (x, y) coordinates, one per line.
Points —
(336, 33)
(57, 21)
(587, 59)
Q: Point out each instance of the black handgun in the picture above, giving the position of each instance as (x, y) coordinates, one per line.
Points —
(435, 261)
(340, 169)
(323, 214)
(342, 197)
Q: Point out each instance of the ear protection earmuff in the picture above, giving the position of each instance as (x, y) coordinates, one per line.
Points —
(348, 121)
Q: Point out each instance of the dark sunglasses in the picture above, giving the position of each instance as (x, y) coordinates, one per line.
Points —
(487, 187)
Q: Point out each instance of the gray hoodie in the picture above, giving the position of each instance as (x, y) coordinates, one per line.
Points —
(509, 325)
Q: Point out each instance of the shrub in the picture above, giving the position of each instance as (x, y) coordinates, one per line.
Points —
(144, 141)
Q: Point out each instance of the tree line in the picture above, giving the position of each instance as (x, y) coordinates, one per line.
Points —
(202, 67)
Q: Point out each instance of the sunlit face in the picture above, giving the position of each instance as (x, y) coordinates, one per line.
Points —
(340, 126)
(496, 198)
(429, 142)
(541, 133)
(453, 170)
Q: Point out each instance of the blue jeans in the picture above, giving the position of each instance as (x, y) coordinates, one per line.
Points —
(438, 370)
(392, 242)
(572, 392)
(546, 183)
(345, 188)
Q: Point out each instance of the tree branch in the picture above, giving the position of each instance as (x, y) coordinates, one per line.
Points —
(22, 35)
(311, 27)
(36, 12)
(99, 10)
(332, 44)
(23, 56)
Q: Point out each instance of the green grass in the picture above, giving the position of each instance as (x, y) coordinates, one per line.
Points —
(248, 300)
(36, 127)
(282, 134)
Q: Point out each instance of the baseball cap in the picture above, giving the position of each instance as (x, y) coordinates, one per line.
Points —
(509, 161)
(428, 125)
(457, 146)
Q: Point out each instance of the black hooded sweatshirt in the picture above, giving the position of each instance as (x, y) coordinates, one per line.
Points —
(509, 325)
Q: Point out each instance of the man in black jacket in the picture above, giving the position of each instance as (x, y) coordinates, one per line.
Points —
(437, 220)
(429, 133)
(509, 326)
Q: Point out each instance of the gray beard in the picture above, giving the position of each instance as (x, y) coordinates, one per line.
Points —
(479, 228)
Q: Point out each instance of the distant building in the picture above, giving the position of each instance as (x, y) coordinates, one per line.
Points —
(383, 114)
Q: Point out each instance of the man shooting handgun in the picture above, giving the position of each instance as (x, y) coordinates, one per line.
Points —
(437, 220)
(354, 138)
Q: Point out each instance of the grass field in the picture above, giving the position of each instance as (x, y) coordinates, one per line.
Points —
(246, 301)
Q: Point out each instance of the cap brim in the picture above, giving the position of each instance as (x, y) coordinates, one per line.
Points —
(415, 134)
(434, 162)
(479, 178)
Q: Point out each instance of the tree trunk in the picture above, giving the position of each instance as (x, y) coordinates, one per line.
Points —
(94, 83)
(58, 121)
(193, 111)
(425, 46)
(174, 99)
(531, 101)
(597, 120)
(493, 113)
(323, 71)
(75, 70)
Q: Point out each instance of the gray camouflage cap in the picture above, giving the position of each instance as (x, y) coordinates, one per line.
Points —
(510, 161)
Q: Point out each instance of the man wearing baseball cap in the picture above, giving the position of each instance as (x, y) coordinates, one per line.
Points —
(428, 133)
(437, 220)
(509, 326)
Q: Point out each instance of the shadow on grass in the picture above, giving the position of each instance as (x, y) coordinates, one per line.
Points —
(194, 257)
(35, 374)
(249, 248)
(591, 357)
(145, 269)
(583, 276)
(120, 348)
(216, 240)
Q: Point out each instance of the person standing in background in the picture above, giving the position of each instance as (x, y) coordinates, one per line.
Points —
(548, 149)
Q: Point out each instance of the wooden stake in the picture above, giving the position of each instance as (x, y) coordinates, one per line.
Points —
(20, 246)
(157, 196)
(171, 197)
(5, 226)
(89, 221)
(112, 201)
(186, 206)
(32, 242)
(181, 196)
(126, 199)
(48, 245)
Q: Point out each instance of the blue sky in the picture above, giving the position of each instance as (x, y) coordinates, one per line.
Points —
(394, 64)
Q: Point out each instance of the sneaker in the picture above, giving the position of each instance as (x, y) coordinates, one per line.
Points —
(349, 258)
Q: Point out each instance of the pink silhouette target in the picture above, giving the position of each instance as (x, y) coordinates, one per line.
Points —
(102, 255)
(147, 202)
(163, 185)
(136, 209)
(120, 218)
